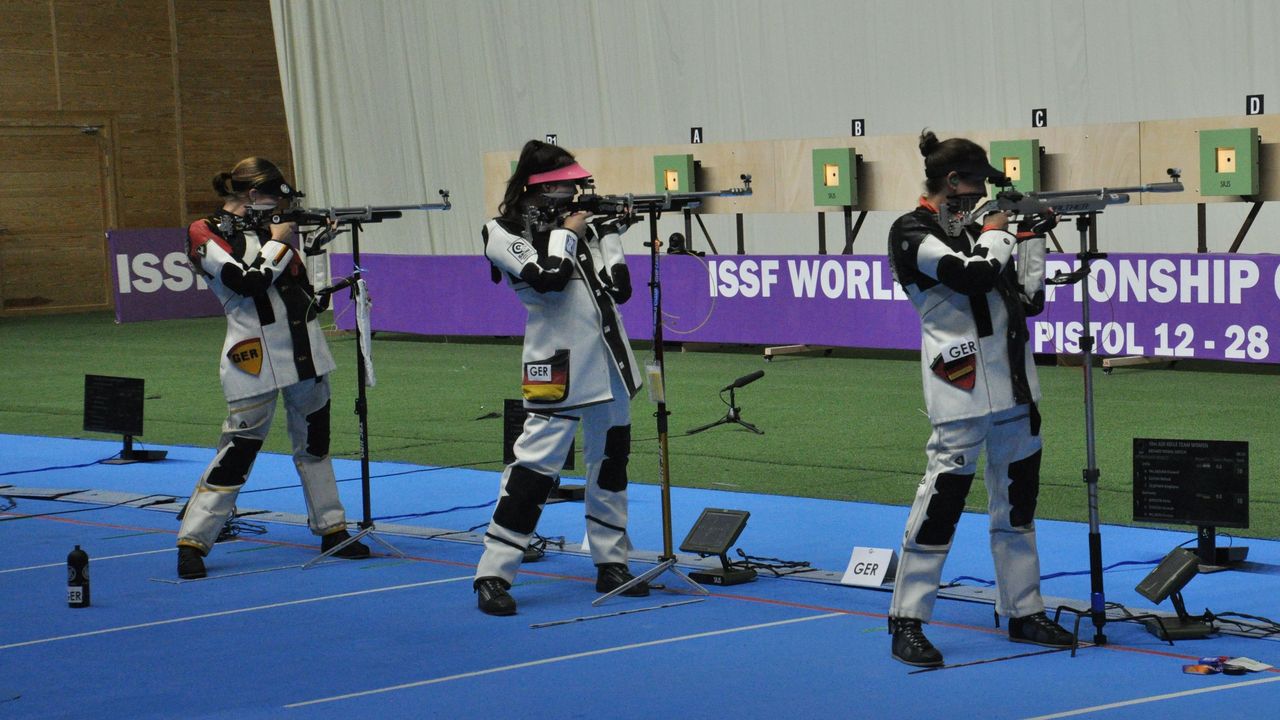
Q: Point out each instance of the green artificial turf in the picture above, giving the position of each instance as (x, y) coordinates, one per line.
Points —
(842, 427)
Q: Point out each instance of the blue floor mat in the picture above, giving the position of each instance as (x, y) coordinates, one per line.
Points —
(402, 638)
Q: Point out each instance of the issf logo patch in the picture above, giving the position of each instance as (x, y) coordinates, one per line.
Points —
(521, 250)
(247, 355)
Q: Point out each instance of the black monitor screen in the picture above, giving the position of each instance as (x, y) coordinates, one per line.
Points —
(715, 531)
(113, 405)
(1191, 482)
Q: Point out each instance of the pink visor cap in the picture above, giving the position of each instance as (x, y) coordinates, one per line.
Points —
(566, 173)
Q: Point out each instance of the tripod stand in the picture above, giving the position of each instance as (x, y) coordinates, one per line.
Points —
(1097, 595)
(657, 389)
(1085, 206)
(652, 206)
(356, 217)
(734, 414)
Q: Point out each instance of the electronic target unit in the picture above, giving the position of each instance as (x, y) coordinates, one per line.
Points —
(1020, 161)
(1229, 161)
(835, 177)
(673, 173)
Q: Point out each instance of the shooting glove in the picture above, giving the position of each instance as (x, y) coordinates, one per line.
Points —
(1037, 226)
(616, 224)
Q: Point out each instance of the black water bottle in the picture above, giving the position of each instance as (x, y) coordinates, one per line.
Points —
(78, 578)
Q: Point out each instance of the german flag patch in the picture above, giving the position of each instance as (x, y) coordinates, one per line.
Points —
(958, 365)
(547, 381)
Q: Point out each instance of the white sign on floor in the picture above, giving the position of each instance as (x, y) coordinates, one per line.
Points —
(868, 567)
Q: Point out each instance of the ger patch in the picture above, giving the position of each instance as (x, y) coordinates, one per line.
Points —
(247, 355)
(957, 364)
(547, 381)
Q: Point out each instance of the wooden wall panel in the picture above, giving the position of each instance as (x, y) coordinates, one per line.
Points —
(182, 90)
(892, 170)
(148, 170)
(1176, 143)
(115, 56)
(230, 102)
(118, 57)
(53, 209)
(26, 56)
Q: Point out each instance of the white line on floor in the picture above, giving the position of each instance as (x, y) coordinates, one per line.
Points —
(237, 611)
(1155, 698)
(96, 559)
(562, 658)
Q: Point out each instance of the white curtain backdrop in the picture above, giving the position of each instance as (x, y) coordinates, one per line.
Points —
(388, 100)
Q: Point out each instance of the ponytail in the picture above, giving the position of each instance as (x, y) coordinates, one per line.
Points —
(222, 185)
(942, 157)
(535, 157)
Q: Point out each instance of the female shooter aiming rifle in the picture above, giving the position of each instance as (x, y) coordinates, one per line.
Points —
(980, 389)
(571, 274)
(273, 346)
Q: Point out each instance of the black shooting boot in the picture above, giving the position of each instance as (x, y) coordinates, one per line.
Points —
(1038, 629)
(355, 551)
(911, 646)
(611, 576)
(492, 596)
(190, 563)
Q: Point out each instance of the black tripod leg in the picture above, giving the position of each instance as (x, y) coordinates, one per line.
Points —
(722, 421)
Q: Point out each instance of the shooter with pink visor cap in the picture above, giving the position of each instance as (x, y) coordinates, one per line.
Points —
(577, 370)
(566, 173)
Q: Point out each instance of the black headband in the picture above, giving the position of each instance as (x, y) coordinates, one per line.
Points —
(274, 185)
(974, 167)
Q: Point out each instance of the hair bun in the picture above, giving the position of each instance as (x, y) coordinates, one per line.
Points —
(222, 184)
(928, 143)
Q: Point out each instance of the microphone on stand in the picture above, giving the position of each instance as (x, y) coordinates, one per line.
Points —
(742, 381)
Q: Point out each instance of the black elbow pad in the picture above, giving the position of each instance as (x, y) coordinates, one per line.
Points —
(972, 278)
(548, 279)
(245, 282)
(620, 288)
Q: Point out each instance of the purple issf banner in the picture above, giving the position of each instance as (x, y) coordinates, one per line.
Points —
(1224, 307)
(152, 278)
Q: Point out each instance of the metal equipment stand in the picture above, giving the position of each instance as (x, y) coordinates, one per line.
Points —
(356, 217)
(667, 561)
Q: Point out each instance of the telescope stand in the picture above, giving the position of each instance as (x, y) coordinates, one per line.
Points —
(1097, 596)
(734, 415)
(362, 411)
(667, 561)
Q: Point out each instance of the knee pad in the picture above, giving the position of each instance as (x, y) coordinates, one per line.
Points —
(234, 464)
(1024, 488)
(521, 507)
(617, 450)
(944, 509)
(318, 432)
